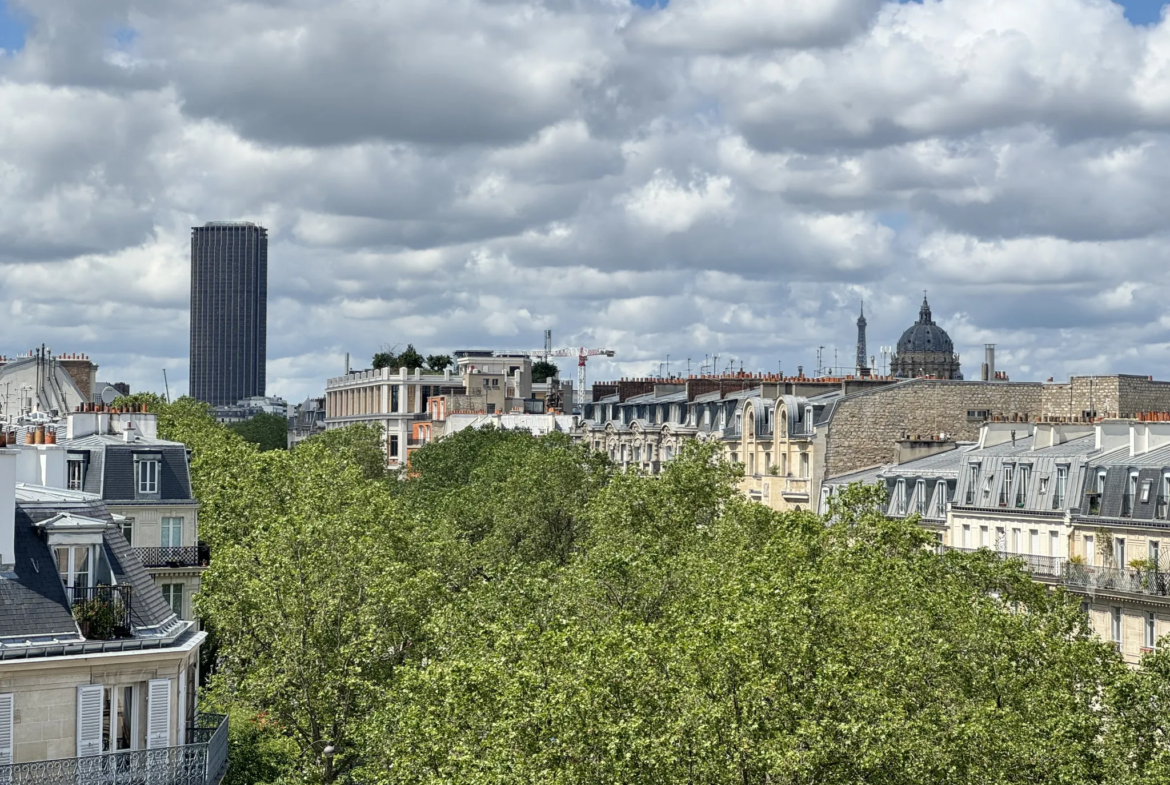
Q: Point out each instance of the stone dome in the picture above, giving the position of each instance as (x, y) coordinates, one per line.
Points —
(924, 335)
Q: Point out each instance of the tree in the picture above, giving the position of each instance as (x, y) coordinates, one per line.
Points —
(357, 444)
(317, 612)
(266, 430)
(385, 359)
(153, 401)
(697, 637)
(543, 370)
(438, 362)
(410, 359)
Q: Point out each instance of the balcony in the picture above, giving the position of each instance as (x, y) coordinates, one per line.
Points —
(203, 762)
(1049, 567)
(102, 612)
(794, 486)
(1082, 577)
(184, 556)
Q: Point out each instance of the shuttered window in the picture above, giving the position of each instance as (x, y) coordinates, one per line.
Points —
(158, 714)
(7, 703)
(90, 699)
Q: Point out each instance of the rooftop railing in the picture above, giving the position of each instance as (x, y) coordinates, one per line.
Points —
(1085, 578)
(181, 556)
(102, 612)
(202, 762)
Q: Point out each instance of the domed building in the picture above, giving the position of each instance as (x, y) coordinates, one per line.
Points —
(925, 349)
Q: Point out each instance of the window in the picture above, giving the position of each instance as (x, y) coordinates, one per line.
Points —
(978, 415)
(804, 465)
(1155, 550)
(1090, 550)
(1146, 491)
(1115, 625)
(1034, 542)
(148, 476)
(1119, 552)
(1095, 491)
(987, 489)
(920, 497)
(751, 463)
(1151, 638)
(127, 525)
(172, 532)
(898, 505)
(972, 482)
(1043, 489)
(1130, 493)
(1000, 539)
(1005, 486)
(1022, 485)
(982, 536)
(173, 594)
(1016, 541)
(1053, 543)
(966, 535)
(1061, 486)
(392, 447)
(76, 476)
(75, 565)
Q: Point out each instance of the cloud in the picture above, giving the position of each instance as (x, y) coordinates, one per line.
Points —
(736, 26)
(709, 178)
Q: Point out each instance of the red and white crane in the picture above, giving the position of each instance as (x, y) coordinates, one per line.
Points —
(581, 354)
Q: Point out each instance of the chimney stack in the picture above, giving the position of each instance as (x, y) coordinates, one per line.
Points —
(989, 362)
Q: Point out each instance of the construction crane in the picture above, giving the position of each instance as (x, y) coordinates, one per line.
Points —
(581, 354)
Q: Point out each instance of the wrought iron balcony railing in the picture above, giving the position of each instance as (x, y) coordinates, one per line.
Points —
(203, 762)
(1087, 578)
(184, 556)
(1038, 566)
(102, 612)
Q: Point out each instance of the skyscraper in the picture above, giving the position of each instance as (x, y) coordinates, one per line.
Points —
(229, 311)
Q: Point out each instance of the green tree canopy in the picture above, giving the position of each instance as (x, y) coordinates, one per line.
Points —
(438, 362)
(512, 610)
(266, 430)
(543, 370)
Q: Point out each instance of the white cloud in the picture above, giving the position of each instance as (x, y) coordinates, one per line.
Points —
(716, 177)
(668, 206)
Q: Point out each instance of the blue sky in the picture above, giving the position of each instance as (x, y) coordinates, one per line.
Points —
(11, 28)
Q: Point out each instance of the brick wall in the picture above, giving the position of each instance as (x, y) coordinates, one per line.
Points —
(82, 372)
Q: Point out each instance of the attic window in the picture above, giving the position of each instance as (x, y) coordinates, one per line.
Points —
(147, 476)
(76, 478)
(978, 415)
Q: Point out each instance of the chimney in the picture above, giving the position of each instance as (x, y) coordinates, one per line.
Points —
(128, 433)
(347, 363)
(989, 362)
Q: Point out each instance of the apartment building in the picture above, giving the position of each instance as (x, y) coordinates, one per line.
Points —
(98, 675)
(145, 482)
(1083, 504)
(412, 408)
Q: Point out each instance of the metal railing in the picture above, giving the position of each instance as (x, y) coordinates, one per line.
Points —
(1147, 582)
(1038, 566)
(203, 762)
(102, 612)
(183, 556)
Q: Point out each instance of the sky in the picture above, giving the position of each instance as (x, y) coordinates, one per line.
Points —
(669, 180)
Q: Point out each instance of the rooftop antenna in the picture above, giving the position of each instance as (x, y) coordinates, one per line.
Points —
(820, 361)
(166, 386)
(668, 366)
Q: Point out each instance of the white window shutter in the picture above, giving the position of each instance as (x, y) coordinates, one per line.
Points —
(7, 712)
(158, 714)
(89, 719)
(182, 706)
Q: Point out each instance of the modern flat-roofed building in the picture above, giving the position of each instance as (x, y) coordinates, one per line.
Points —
(229, 311)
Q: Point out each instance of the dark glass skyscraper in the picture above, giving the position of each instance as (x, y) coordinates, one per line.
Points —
(229, 311)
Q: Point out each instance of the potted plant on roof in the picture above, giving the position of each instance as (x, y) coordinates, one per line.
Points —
(98, 617)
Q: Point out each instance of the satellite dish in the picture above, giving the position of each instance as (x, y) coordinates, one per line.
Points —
(109, 395)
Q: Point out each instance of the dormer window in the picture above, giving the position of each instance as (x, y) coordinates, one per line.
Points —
(75, 565)
(76, 474)
(148, 476)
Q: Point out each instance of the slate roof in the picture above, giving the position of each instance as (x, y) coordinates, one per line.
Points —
(32, 599)
(110, 470)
